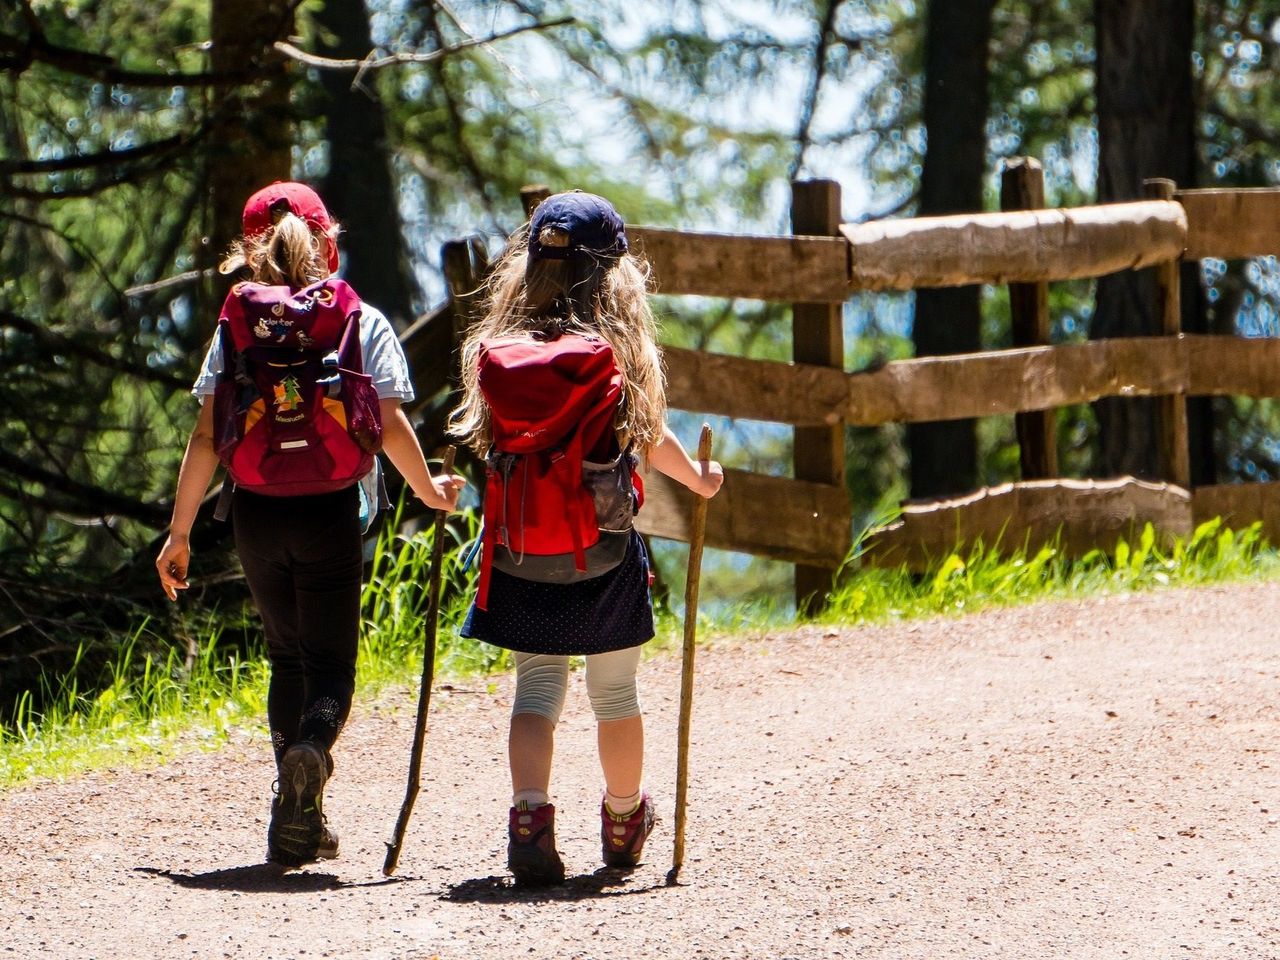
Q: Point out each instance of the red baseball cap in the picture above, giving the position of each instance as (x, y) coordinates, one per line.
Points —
(297, 198)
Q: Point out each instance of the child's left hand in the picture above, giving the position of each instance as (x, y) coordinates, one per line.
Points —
(710, 479)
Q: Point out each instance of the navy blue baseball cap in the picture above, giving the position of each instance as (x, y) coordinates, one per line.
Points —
(591, 222)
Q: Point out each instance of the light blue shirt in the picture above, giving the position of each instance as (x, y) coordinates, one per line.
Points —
(380, 351)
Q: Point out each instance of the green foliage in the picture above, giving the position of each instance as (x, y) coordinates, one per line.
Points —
(136, 711)
(980, 576)
(394, 606)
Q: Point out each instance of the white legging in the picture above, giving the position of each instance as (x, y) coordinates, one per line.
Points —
(542, 681)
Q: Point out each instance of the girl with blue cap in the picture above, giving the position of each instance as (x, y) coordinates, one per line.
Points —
(570, 271)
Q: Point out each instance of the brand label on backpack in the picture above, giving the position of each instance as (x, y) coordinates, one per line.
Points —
(561, 494)
(294, 411)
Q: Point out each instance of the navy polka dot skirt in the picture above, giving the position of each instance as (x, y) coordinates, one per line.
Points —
(609, 612)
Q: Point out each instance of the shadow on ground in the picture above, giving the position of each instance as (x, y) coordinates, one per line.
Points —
(605, 882)
(261, 878)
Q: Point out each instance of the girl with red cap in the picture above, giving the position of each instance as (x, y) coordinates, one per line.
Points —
(299, 541)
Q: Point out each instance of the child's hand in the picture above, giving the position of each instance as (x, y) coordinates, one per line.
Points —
(172, 563)
(444, 492)
(710, 479)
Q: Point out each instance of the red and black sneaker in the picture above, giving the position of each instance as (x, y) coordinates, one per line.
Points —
(622, 837)
(531, 846)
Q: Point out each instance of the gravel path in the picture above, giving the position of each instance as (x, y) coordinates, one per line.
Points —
(1092, 779)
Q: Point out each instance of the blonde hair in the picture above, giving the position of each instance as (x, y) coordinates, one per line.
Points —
(290, 253)
(585, 294)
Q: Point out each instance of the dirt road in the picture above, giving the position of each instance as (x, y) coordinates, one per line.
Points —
(1095, 779)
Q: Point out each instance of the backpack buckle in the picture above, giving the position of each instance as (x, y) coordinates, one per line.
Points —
(332, 379)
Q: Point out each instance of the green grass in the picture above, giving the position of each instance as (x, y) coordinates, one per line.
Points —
(145, 708)
(139, 711)
(979, 578)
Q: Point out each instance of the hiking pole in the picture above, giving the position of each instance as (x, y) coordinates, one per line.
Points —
(697, 533)
(428, 674)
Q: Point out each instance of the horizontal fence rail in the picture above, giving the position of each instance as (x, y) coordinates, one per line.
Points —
(1078, 515)
(806, 269)
(1075, 515)
(792, 520)
(1233, 224)
(1240, 504)
(1022, 246)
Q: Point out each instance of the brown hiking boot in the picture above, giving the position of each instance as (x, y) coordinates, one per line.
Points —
(622, 838)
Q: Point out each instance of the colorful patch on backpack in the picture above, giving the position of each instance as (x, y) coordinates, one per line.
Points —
(288, 399)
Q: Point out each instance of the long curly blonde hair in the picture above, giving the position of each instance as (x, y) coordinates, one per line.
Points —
(585, 294)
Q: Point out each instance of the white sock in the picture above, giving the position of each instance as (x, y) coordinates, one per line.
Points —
(622, 806)
(530, 799)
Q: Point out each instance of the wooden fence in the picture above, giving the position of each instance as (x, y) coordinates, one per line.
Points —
(807, 519)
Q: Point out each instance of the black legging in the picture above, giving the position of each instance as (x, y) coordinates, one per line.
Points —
(302, 558)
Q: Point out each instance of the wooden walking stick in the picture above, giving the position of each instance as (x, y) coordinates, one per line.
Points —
(697, 533)
(428, 674)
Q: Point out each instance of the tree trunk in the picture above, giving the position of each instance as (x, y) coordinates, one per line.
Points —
(359, 187)
(944, 456)
(1145, 129)
(252, 133)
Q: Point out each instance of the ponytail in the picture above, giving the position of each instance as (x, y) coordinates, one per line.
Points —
(288, 254)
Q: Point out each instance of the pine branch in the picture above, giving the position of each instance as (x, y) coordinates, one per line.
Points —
(371, 62)
(89, 161)
(52, 343)
(18, 55)
(456, 121)
(80, 249)
(76, 498)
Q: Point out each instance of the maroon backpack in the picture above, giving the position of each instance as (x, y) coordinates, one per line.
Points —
(294, 411)
(561, 495)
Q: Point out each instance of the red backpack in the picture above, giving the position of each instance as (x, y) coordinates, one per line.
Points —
(294, 411)
(561, 494)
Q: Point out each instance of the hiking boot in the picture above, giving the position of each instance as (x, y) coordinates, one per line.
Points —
(531, 846)
(622, 837)
(298, 833)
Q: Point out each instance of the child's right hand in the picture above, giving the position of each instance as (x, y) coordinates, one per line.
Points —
(444, 492)
(710, 479)
(172, 563)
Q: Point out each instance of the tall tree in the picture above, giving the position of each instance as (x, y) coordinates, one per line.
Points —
(360, 186)
(252, 135)
(1146, 128)
(944, 456)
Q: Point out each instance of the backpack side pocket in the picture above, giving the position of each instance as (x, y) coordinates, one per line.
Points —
(611, 490)
(364, 414)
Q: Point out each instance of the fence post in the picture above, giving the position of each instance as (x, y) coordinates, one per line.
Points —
(464, 263)
(1173, 447)
(1022, 188)
(817, 338)
(532, 195)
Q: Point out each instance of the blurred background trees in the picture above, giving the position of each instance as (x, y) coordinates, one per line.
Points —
(130, 135)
